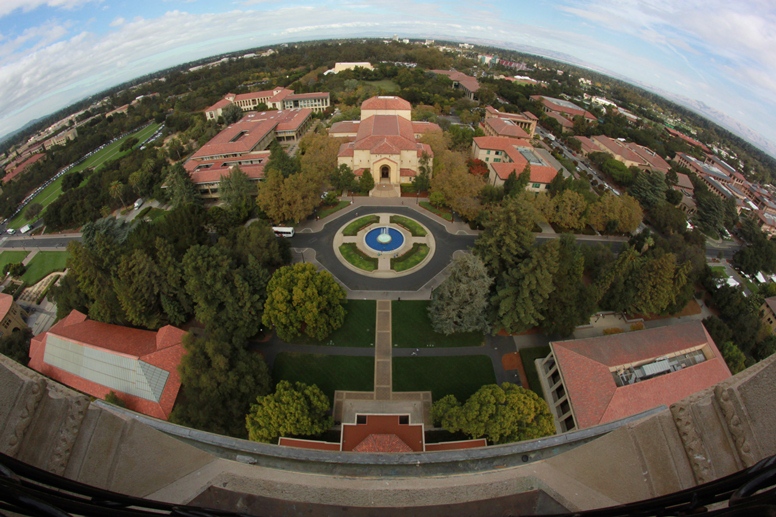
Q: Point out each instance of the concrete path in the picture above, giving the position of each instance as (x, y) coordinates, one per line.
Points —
(383, 352)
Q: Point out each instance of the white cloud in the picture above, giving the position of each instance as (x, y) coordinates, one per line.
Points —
(118, 22)
(9, 6)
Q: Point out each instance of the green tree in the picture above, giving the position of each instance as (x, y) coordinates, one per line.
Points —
(302, 300)
(116, 191)
(112, 398)
(568, 210)
(33, 210)
(237, 191)
(649, 189)
(180, 188)
(219, 382)
(72, 180)
(175, 149)
(366, 182)
(293, 410)
(423, 179)
(620, 214)
(231, 113)
(16, 345)
(175, 301)
(343, 178)
(280, 161)
(460, 303)
(571, 302)
(734, 357)
(522, 292)
(502, 414)
(257, 240)
(657, 280)
(507, 235)
(510, 184)
(227, 298)
(136, 283)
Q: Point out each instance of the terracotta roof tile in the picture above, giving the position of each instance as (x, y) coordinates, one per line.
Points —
(595, 398)
(505, 128)
(385, 103)
(382, 443)
(6, 301)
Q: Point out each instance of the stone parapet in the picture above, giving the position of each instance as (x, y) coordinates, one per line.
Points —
(702, 438)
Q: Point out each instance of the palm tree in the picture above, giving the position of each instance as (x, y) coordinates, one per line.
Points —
(116, 191)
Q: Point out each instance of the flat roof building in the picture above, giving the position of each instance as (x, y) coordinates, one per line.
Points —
(592, 381)
(504, 155)
(139, 366)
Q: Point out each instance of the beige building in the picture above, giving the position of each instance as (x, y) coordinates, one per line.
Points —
(384, 142)
(276, 99)
(468, 84)
(11, 315)
(505, 155)
(515, 125)
(768, 313)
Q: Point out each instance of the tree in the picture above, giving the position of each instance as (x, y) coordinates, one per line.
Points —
(302, 300)
(460, 303)
(343, 178)
(522, 292)
(16, 346)
(657, 280)
(668, 219)
(112, 398)
(649, 189)
(571, 303)
(15, 269)
(72, 180)
(219, 382)
(423, 179)
(33, 211)
(568, 210)
(116, 191)
(231, 113)
(237, 191)
(180, 188)
(620, 214)
(175, 149)
(510, 184)
(136, 284)
(502, 414)
(507, 236)
(227, 298)
(293, 410)
(460, 189)
(128, 144)
(318, 154)
(366, 182)
(280, 161)
(734, 357)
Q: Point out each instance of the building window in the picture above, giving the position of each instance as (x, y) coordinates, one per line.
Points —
(536, 185)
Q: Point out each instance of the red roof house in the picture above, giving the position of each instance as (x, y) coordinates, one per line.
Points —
(139, 366)
(598, 380)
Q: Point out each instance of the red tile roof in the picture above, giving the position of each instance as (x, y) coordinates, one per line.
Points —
(382, 443)
(617, 148)
(511, 146)
(6, 301)
(561, 106)
(210, 171)
(219, 105)
(595, 398)
(409, 434)
(162, 349)
(504, 127)
(385, 103)
(468, 82)
(684, 181)
(420, 127)
(688, 139)
(563, 121)
(345, 127)
(407, 173)
(17, 168)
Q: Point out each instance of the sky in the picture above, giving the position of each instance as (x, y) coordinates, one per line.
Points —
(715, 52)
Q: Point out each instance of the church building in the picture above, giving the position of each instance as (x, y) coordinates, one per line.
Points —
(384, 142)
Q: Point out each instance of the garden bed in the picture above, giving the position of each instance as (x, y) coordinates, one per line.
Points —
(444, 213)
(410, 259)
(411, 226)
(356, 257)
(359, 224)
(332, 209)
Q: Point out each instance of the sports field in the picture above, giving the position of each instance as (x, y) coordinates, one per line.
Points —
(110, 152)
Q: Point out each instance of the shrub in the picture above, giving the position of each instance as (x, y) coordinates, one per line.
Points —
(614, 330)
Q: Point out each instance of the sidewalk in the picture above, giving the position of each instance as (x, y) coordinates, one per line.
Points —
(313, 226)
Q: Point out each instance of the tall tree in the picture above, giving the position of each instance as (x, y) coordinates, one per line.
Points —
(116, 191)
(231, 113)
(280, 161)
(460, 303)
(219, 383)
(366, 182)
(522, 292)
(302, 300)
(237, 191)
(502, 414)
(136, 283)
(571, 303)
(343, 178)
(180, 188)
(293, 410)
(16, 345)
(657, 281)
(506, 238)
(423, 179)
(568, 210)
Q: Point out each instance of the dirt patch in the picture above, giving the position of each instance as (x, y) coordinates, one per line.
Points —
(510, 361)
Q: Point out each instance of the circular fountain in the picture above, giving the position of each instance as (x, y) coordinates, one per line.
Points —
(384, 239)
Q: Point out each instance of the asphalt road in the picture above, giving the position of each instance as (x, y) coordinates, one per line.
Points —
(38, 241)
(321, 242)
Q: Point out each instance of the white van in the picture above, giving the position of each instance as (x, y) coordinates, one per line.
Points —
(139, 203)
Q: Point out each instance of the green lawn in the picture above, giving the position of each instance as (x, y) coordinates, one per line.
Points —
(719, 271)
(412, 258)
(411, 225)
(359, 327)
(362, 222)
(52, 192)
(460, 376)
(328, 372)
(352, 254)
(12, 257)
(528, 355)
(332, 209)
(411, 328)
(444, 213)
(43, 263)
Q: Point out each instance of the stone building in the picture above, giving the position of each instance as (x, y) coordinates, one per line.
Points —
(11, 315)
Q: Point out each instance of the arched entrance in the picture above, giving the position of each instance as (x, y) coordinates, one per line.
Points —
(385, 174)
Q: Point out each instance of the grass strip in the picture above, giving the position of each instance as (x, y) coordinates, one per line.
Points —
(444, 214)
(12, 257)
(356, 257)
(359, 224)
(528, 355)
(412, 226)
(410, 259)
(332, 209)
